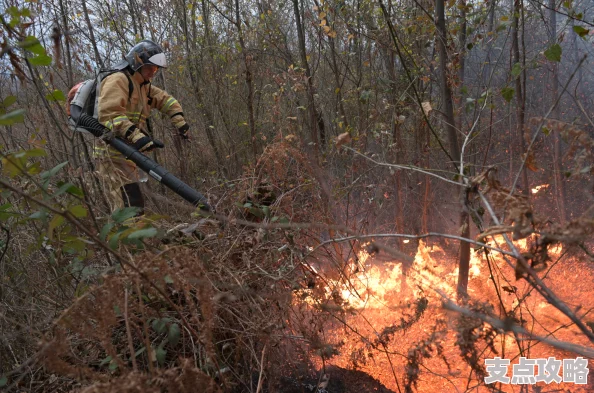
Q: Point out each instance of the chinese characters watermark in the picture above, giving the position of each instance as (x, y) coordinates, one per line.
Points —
(530, 371)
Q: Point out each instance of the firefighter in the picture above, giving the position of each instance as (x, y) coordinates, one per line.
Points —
(125, 100)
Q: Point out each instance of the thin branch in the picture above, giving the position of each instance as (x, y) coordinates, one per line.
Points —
(423, 236)
(409, 167)
(507, 326)
(533, 279)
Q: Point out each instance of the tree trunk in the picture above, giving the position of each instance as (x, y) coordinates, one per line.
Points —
(313, 118)
(446, 90)
(487, 69)
(247, 60)
(68, 54)
(446, 96)
(461, 40)
(209, 120)
(557, 161)
(98, 58)
(520, 101)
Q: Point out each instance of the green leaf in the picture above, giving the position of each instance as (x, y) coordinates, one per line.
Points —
(554, 53)
(143, 233)
(113, 365)
(78, 211)
(33, 45)
(74, 246)
(546, 131)
(40, 60)
(3, 381)
(105, 361)
(160, 325)
(365, 94)
(54, 223)
(8, 101)
(36, 153)
(174, 334)
(516, 70)
(113, 241)
(17, 116)
(56, 95)
(168, 279)
(69, 188)
(105, 230)
(507, 93)
(81, 289)
(161, 354)
(256, 212)
(140, 351)
(121, 215)
(581, 31)
(39, 215)
(48, 174)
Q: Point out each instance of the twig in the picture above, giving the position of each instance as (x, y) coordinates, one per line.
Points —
(409, 167)
(535, 281)
(129, 333)
(512, 327)
(425, 235)
(260, 379)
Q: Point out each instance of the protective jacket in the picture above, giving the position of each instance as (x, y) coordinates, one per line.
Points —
(126, 117)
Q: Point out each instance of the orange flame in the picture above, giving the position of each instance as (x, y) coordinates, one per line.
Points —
(538, 188)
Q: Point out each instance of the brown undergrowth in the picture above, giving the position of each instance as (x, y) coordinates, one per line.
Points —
(205, 313)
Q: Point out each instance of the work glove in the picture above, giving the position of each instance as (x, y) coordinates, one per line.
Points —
(184, 131)
(182, 127)
(142, 142)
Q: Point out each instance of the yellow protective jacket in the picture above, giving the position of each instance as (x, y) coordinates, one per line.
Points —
(118, 113)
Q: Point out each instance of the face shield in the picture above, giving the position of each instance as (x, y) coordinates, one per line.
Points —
(159, 60)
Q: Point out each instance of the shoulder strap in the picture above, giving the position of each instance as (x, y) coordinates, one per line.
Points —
(130, 84)
(123, 68)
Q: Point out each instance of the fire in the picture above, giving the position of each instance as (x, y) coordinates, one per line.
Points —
(379, 295)
(538, 188)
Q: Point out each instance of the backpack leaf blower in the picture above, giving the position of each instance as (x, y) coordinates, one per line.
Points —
(155, 170)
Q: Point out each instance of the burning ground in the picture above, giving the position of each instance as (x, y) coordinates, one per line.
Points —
(395, 327)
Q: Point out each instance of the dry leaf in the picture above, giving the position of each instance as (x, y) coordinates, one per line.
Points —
(343, 138)
(531, 162)
(426, 107)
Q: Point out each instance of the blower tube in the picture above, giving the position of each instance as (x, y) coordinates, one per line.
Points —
(155, 170)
